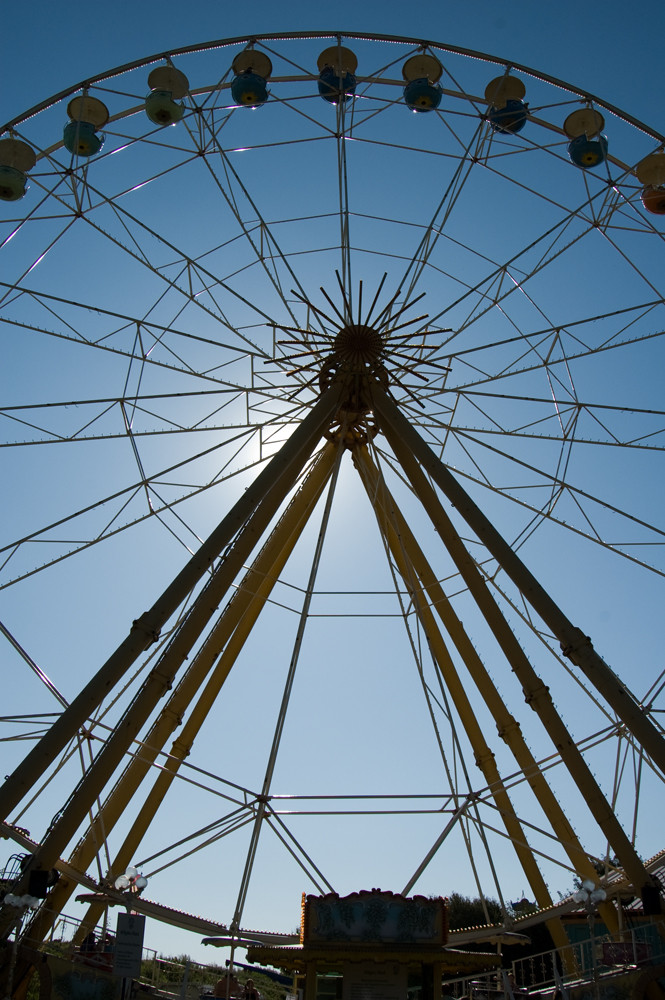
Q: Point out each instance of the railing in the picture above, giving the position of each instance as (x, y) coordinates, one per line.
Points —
(591, 960)
(63, 931)
(599, 955)
(12, 869)
(587, 961)
(186, 980)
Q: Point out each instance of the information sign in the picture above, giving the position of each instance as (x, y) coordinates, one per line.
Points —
(374, 981)
(128, 945)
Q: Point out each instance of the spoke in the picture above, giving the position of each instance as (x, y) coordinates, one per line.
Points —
(109, 528)
(343, 188)
(272, 246)
(436, 227)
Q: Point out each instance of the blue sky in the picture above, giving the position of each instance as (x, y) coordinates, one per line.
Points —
(613, 54)
(608, 49)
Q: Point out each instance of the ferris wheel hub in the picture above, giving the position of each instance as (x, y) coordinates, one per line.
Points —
(358, 345)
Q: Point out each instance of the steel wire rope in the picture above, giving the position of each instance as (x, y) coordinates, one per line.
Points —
(230, 823)
(569, 487)
(124, 216)
(130, 489)
(82, 737)
(556, 230)
(95, 722)
(575, 493)
(262, 223)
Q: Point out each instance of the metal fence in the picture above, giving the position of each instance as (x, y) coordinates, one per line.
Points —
(589, 961)
(593, 960)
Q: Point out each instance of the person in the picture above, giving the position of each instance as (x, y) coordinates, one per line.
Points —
(251, 993)
(107, 944)
(234, 988)
(89, 942)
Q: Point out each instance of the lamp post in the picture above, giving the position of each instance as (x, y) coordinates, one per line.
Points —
(132, 880)
(128, 963)
(590, 894)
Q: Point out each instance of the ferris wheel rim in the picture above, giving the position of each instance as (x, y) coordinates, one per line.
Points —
(361, 36)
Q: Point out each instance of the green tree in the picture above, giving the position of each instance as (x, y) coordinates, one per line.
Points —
(463, 911)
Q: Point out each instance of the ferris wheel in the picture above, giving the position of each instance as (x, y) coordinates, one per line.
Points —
(333, 440)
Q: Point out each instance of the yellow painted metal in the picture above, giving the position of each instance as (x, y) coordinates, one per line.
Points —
(254, 516)
(251, 516)
(536, 692)
(282, 468)
(229, 633)
(401, 547)
(575, 645)
(507, 726)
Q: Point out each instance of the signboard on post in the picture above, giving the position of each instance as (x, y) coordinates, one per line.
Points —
(128, 945)
(374, 917)
(374, 981)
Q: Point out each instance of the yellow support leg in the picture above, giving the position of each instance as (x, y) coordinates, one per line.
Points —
(385, 510)
(507, 726)
(281, 470)
(575, 645)
(229, 634)
(258, 509)
(535, 691)
(248, 602)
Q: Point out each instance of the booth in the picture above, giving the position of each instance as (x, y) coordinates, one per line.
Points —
(372, 945)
